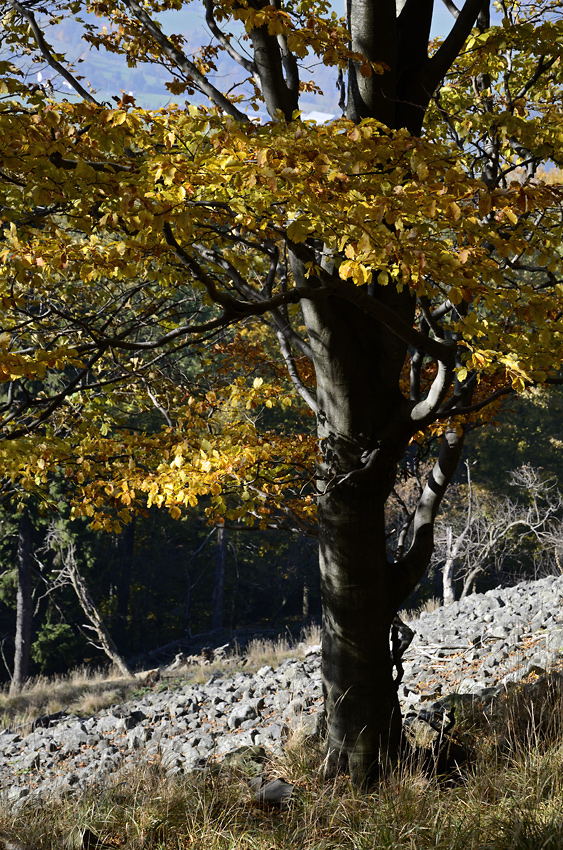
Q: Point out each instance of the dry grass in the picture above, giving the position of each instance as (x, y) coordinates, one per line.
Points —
(427, 607)
(82, 691)
(260, 652)
(509, 799)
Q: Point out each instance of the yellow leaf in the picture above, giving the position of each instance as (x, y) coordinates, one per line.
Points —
(300, 229)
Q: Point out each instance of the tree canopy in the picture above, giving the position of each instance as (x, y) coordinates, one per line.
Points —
(183, 288)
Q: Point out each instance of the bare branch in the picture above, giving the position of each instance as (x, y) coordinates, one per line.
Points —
(451, 7)
(177, 57)
(245, 63)
(47, 54)
(305, 394)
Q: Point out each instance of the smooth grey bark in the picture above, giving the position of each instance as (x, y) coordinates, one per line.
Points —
(24, 612)
(360, 407)
(364, 424)
(448, 590)
(399, 37)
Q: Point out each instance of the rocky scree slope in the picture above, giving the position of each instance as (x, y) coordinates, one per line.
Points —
(476, 647)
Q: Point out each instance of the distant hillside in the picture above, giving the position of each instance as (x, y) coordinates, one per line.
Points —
(109, 74)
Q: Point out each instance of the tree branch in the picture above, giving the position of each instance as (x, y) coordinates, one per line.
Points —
(305, 394)
(245, 63)
(451, 7)
(426, 409)
(47, 54)
(412, 566)
(234, 309)
(182, 62)
(448, 52)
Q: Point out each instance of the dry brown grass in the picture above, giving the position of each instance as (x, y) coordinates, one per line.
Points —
(508, 799)
(82, 691)
(427, 607)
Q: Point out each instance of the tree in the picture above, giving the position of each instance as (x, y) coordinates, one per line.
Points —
(69, 573)
(405, 258)
(24, 612)
(495, 530)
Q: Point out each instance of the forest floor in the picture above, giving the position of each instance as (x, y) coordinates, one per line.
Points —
(507, 796)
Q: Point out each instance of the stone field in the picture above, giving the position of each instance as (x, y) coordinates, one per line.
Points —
(477, 646)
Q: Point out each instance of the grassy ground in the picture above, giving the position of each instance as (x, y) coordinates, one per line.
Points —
(508, 797)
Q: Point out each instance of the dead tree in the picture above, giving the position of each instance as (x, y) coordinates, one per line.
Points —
(70, 574)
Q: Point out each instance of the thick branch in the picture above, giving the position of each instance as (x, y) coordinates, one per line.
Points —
(245, 63)
(278, 95)
(70, 164)
(413, 565)
(451, 7)
(427, 408)
(446, 55)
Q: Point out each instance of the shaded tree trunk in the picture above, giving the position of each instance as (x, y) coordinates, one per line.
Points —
(448, 590)
(364, 426)
(24, 614)
(125, 547)
(219, 583)
(354, 415)
(305, 605)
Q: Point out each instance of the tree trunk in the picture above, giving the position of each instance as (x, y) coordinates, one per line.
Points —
(364, 720)
(89, 607)
(219, 584)
(91, 611)
(364, 426)
(305, 606)
(24, 615)
(125, 548)
(359, 412)
(448, 571)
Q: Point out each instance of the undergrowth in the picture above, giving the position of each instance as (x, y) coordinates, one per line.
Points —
(507, 797)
